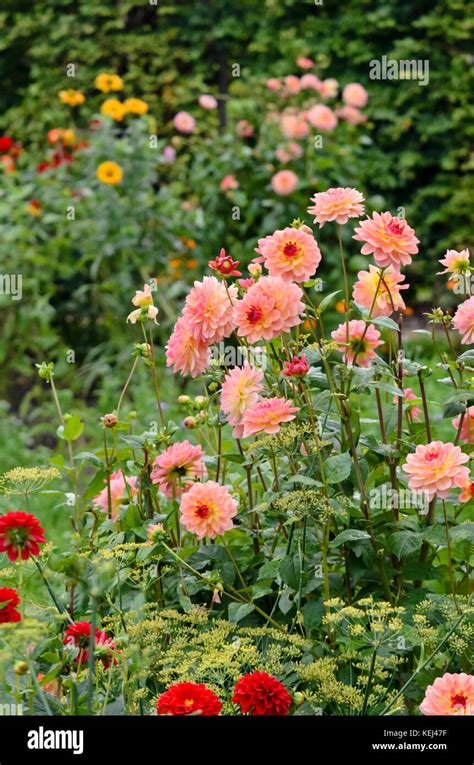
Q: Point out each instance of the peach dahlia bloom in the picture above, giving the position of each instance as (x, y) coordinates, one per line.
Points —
(450, 695)
(360, 346)
(467, 489)
(118, 493)
(337, 205)
(284, 182)
(321, 117)
(207, 509)
(351, 115)
(463, 321)
(290, 253)
(177, 467)
(355, 94)
(456, 263)
(267, 415)
(467, 429)
(208, 310)
(184, 353)
(391, 240)
(269, 307)
(436, 468)
(294, 125)
(240, 390)
(387, 291)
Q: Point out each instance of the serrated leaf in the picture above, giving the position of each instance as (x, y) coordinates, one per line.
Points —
(349, 535)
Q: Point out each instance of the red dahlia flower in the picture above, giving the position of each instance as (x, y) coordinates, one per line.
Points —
(78, 635)
(20, 533)
(6, 143)
(262, 694)
(9, 600)
(297, 367)
(188, 699)
(225, 265)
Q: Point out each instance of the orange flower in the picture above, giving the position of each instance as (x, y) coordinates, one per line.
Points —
(113, 108)
(107, 82)
(71, 97)
(110, 173)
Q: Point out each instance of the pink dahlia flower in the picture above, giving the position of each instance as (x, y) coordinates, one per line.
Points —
(184, 353)
(337, 205)
(184, 122)
(240, 390)
(413, 411)
(467, 489)
(328, 88)
(436, 468)
(322, 117)
(467, 429)
(304, 62)
(269, 307)
(391, 240)
(386, 292)
(244, 129)
(450, 695)
(310, 82)
(355, 95)
(273, 83)
(267, 415)
(290, 253)
(297, 367)
(177, 467)
(118, 493)
(463, 321)
(207, 102)
(456, 263)
(284, 182)
(208, 310)
(294, 125)
(360, 346)
(207, 509)
(292, 84)
(351, 115)
(229, 183)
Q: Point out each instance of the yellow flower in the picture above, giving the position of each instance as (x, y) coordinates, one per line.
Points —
(69, 137)
(107, 82)
(114, 108)
(135, 106)
(71, 97)
(109, 172)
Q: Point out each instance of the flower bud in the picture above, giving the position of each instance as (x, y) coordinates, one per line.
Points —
(189, 422)
(255, 270)
(20, 668)
(183, 400)
(110, 420)
(200, 401)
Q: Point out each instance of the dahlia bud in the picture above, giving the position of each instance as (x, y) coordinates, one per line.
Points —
(255, 270)
(110, 420)
(20, 668)
(184, 400)
(200, 401)
(45, 371)
(143, 350)
(189, 423)
(298, 698)
(154, 532)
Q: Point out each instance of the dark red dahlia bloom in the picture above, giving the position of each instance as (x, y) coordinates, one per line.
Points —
(78, 635)
(20, 533)
(6, 143)
(9, 600)
(262, 694)
(188, 699)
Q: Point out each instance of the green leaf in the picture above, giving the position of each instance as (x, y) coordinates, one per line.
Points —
(313, 613)
(349, 535)
(290, 571)
(403, 543)
(453, 409)
(385, 322)
(463, 532)
(338, 468)
(238, 611)
(326, 302)
(73, 428)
